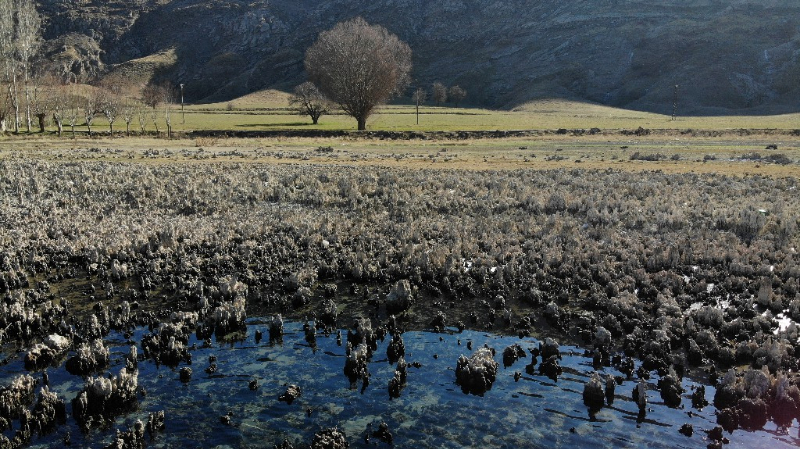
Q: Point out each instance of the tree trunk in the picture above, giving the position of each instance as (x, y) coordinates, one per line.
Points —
(362, 123)
(27, 110)
(314, 120)
(60, 127)
(41, 122)
(15, 101)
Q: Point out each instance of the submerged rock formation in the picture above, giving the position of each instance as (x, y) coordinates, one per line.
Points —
(594, 394)
(88, 358)
(45, 353)
(331, 438)
(511, 354)
(355, 366)
(102, 398)
(291, 394)
(476, 374)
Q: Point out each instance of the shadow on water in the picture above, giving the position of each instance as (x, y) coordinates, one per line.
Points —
(431, 411)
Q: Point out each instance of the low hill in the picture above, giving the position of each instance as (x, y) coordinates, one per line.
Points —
(725, 56)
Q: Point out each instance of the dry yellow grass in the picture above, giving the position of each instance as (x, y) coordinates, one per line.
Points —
(693, 154)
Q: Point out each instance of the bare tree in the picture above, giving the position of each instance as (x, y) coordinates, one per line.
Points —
(128, 111)
(29, 39)
(39, 99)
(74, 109)
(91, 104)
(457, 94)
(5, 106)
(359, 66)
(8, 57)
(59, 106)
(439, 93)
(109, 101)
(154, 118)
(308, 100)
(419, 96)
(152, 95)
(141, 114)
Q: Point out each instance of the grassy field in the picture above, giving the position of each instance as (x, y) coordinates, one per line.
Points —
(269, 110)
(688, 144)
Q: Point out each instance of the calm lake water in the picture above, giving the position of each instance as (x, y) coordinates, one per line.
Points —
(431, 412)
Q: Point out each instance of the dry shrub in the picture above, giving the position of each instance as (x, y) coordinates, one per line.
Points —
(206, 141)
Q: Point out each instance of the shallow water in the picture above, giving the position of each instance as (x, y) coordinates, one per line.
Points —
(431, 412)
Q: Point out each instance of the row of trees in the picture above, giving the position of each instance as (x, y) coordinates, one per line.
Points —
(441, 94)
(73, 104)
(20, 40)
(34, 89)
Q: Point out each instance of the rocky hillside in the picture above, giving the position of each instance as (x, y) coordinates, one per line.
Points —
(740, 56)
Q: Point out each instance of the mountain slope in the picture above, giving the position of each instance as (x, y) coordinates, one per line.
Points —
(725, 55)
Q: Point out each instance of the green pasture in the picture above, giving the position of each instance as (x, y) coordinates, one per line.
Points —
(270, 110)
(562, 115)
(723, 144)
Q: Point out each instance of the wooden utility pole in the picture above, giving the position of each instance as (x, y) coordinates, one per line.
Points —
(675, 103)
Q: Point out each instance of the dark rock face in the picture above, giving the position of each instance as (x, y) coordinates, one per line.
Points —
(476, 374)
(486, 49)
(49, 411)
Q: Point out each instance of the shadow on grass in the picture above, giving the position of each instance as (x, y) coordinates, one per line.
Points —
(274, 125)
